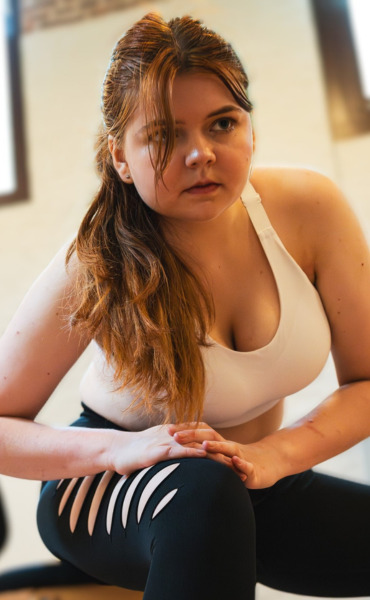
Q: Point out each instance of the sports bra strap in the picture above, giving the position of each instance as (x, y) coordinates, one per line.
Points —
(252, 202)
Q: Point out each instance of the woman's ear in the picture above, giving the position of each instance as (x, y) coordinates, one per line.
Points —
(254, 140)
(118, 158)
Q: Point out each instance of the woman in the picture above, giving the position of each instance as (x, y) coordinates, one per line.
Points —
(209, 293)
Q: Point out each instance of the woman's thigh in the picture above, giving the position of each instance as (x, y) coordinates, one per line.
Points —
(313, 536)
(180, 528)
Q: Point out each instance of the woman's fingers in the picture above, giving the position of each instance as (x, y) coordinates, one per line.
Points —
(194, 439)
(186, 451)
(226, 448)
(244, 467)
(216, 456)
(184, 437)
(229, 463)
(196, 435)
(225, 460)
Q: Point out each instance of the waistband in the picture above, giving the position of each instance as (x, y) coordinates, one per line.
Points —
(89, 418)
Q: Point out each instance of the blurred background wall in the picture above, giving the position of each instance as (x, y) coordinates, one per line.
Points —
(62, 71)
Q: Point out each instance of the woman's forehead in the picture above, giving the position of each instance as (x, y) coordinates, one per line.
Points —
(195, 91)
(199, 79)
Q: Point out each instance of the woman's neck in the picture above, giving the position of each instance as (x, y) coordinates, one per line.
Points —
(206, 243)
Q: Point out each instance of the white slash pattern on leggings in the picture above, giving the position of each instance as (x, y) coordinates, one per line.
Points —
(149, 489)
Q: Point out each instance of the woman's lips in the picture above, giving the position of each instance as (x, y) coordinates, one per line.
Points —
(204, 189)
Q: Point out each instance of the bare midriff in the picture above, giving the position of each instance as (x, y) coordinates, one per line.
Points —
(256, 429)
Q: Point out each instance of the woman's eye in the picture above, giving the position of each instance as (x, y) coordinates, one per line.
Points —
(156, 135)
(226, 121)
(163, 131)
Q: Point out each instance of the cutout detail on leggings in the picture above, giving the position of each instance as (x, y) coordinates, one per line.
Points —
(66, 495)
(165, 500)
(98, 496)
(79, 500)
(112, 502)
(130, 493)
(151, 487)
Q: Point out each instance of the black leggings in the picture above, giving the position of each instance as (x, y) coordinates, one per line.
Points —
(189, 528)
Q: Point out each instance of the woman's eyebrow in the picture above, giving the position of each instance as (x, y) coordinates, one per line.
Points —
(219, 111)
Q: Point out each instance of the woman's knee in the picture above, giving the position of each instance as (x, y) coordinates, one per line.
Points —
(168, 494)
(213, 482)
(199, 494)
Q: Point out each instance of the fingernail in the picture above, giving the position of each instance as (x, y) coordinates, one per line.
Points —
(181, 434)
(201, 451)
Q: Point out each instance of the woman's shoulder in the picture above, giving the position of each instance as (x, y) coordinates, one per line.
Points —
(291, 186)
(304, 207)
(298, 198)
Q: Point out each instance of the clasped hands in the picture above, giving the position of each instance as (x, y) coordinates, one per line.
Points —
(255, 465)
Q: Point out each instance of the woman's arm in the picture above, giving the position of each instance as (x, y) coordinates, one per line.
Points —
(36, 351)
(341, 421)
(331, 231)
(342, 267)
(29, 450)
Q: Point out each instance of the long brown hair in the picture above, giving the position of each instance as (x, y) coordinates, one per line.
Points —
(134, 293)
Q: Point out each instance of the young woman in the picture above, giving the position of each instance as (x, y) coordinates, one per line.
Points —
(210, 292)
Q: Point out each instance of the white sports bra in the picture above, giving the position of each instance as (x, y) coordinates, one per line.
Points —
(242, 385)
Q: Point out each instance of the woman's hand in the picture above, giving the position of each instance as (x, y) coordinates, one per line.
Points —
(259, 465)
(196, 438)
(129, 451)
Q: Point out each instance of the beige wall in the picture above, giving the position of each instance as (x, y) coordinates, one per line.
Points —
(63, 69)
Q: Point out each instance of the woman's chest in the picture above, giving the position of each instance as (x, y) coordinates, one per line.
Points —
(246, 295)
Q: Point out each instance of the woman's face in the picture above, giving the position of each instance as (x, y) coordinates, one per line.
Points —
(214, 141)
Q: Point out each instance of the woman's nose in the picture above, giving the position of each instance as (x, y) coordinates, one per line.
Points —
(200, 151)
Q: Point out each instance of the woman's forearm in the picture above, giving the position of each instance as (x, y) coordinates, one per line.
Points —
(335, 425)
(29, 450)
